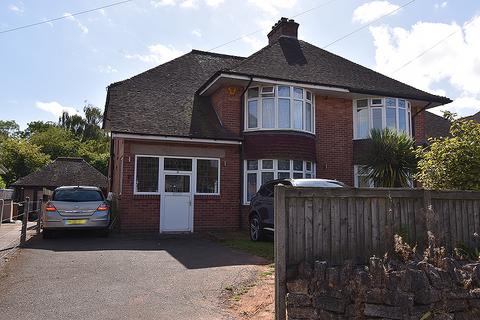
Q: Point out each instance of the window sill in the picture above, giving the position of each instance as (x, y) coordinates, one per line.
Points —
(207, 196)
(146, 195)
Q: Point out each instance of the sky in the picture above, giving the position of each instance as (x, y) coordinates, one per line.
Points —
(63, 65)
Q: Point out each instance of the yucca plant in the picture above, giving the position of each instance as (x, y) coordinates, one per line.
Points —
(391, 160)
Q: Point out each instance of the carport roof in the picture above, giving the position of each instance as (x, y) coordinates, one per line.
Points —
(64, 172)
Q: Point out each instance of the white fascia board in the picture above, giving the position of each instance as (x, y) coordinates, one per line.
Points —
(270, 81)
(173, 139)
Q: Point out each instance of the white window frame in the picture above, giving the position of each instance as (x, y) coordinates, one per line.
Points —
(383, 106)
(275, 98)
(162, 171)
(356, 177)
(219, 178)
(275, 171)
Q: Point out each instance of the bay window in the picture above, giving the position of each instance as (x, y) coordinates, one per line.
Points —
(380, 113)
(279, 107)
(258, 172)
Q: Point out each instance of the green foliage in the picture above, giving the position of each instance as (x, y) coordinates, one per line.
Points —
(56, 142)
(73, 136)
(20, 157)
(3, 185)
(38, 127)
(8, 128)
(391, 160)
(452, 163)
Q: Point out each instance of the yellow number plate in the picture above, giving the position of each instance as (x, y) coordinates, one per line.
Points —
(79, 221)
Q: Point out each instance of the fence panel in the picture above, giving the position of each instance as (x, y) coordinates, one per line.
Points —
(353, 224)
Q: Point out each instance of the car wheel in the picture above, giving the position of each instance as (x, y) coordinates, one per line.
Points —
(256, 232)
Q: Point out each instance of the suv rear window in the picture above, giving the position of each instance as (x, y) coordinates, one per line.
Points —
(77, 195)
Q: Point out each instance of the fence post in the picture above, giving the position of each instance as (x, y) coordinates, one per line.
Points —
(23, 236)
(280, 252)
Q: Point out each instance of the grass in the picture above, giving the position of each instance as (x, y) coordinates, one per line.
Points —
(241, 241)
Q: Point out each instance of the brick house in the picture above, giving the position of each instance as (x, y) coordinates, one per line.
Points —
(194, 138)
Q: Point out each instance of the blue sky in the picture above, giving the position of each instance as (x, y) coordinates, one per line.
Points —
(55, 66)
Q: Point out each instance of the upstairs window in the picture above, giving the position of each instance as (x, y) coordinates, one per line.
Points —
(279, 107)
(380, 113)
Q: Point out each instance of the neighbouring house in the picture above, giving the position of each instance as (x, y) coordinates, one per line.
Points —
(475, 117)
(63, 171)
(436, 126)
(193, 139)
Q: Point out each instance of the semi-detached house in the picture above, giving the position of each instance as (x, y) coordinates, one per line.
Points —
(194, 138)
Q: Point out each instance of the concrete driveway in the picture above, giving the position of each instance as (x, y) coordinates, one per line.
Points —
(86, 277)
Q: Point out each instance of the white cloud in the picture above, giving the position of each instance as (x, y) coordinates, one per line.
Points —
(441, 5)
(454, 62)
(82, 27)
(273, 7)
(463, 106)
(189, 4)
(162, 3)
(214, 3)
(158, 53)
(55, 108)
(106, 69)
(197, 33)
(371, 11)
(254, 42)
(19, 9)
(193, 4)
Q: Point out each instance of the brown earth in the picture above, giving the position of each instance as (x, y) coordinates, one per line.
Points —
(256, 299)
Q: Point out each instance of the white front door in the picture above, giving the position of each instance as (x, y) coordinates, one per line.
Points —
(176, 210)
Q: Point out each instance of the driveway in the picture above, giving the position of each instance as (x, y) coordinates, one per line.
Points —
(86, 277)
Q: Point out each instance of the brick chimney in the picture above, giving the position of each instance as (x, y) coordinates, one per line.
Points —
(283, 28)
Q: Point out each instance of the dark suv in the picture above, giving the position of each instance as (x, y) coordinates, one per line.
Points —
(261, 214)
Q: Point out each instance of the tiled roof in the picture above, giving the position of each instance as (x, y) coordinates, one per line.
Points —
(161, 101)
(296, 60)
(436, 126)
(64, 172)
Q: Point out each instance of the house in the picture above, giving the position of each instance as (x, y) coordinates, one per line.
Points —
(194, 138)
(63, 171)
(436, 126)
(475, 117)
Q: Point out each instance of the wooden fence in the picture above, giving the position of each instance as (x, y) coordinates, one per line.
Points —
(353, 224)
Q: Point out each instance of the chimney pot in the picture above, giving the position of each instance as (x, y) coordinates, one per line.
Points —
(283, 28)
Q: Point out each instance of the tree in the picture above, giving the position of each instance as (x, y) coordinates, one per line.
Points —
(96, 153)
(391, 160)
(2, 183)
(37, 127)
(20, 157)
(56, 142)
(8, 128)
(452, 163)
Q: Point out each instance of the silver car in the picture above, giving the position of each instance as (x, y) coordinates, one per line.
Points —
(76, 207)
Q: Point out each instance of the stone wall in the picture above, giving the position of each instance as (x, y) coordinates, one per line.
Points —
(385, 289)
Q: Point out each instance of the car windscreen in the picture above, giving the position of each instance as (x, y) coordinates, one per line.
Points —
(77, 195)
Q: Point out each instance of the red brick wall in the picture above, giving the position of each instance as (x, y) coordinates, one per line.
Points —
(227, 104)
(279, 145)
(141, 213)
(419, 125)
(334, 138)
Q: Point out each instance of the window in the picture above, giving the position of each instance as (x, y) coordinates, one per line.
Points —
(280, 107)
(380, 113)
(259, 172)
(208, 176)
(361, 177)
(146, 174)
(197, 175)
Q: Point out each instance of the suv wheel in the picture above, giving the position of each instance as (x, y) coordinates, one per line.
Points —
(256, 232)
